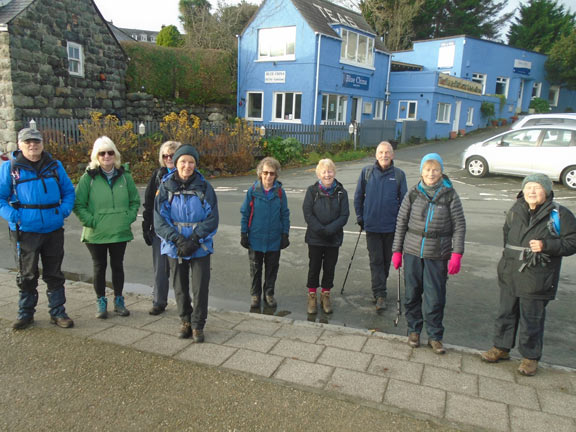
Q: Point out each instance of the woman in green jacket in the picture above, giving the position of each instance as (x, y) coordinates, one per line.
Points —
(107, 203)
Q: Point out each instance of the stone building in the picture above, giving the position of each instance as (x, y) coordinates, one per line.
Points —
(57, 59)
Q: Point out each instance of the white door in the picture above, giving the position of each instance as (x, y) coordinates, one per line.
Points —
(456, 122)
(520, 97)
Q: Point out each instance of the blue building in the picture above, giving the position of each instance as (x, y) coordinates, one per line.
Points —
(310, 62)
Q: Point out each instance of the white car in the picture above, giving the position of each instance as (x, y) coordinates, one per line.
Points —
(550, 150)
(564, 119)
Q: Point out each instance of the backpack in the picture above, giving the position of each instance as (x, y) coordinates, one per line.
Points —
(554, 221)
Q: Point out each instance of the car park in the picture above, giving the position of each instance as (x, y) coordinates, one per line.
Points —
(550, 150)
(566, 119)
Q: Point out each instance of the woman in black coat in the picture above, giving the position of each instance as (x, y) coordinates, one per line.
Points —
(537, 234)
(326, 212)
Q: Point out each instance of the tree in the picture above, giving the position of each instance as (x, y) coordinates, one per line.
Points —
(169, 36)
(478, 18)
(561, 63)
(198, 23)
(392, 19)
(541, 23)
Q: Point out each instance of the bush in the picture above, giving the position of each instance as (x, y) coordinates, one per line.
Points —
(284, 149)
(540, 105)
(487, 110)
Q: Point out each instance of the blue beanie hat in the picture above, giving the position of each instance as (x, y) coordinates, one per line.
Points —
(541, 179)
(186, 149)
(432, 156)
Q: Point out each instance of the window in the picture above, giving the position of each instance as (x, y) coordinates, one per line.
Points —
(75, 59)
(480, 79)
(334, 108)
(557, 138)
(502, 86)
(407, 110)
(443, 115)
(287, 107)
(254, 105)
(153, 39)
(277, 43)
(470, 117)
(378, 109)
(520, 138)
(553, 95)
(536, 89)
(144, 37)
(357, 49)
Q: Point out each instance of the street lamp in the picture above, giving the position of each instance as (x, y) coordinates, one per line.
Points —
(352, 129)
(262, 131)
(141, 128)
(32, 124)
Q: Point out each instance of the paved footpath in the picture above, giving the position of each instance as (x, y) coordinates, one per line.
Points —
(370, 368)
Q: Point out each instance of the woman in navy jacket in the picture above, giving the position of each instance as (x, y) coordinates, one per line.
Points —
(264, 228)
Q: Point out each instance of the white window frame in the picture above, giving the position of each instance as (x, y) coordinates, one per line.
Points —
(350, 52)
(75, 60)
(248, 101)
(480, 78)
(407, 104)
(378, 109)
(444, 110)
(555, 93)
(503, 81)
(536, 90)
(281, 39)
(470, 116)
(341, 102)
(282, 119)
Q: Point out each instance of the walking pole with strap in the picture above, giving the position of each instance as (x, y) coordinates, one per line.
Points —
(398, 303)
(351, 259)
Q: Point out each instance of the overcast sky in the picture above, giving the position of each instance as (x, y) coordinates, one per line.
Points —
(152, 14)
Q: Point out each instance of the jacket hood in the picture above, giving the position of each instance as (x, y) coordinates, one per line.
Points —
(94, 172)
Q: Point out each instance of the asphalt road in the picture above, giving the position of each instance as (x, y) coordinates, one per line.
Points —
(472, 294)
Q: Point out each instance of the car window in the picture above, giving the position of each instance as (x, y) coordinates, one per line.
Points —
(557, 138)
(521, 138)
(550, 121)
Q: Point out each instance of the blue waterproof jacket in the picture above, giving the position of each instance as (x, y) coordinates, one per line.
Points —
(185, 208)
(46, 196)
(265, 217)
(378, 198)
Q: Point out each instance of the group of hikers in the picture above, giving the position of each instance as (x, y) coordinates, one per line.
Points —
(422, 229)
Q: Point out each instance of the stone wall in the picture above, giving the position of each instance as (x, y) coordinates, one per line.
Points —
(7, 120)
(42, 85)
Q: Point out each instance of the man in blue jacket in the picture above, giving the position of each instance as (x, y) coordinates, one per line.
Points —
(379, 193)
(36, 196)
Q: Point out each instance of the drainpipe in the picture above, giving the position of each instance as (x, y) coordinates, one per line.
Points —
(317, 75)
(238, 75)
(387, 101)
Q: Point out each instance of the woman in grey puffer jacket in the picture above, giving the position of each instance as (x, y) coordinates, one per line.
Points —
(430, 232)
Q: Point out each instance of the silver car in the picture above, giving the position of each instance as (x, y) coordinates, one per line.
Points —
(561, 119)
(550, 150)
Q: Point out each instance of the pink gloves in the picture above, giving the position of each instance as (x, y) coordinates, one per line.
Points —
(397, 260)
(454, 264)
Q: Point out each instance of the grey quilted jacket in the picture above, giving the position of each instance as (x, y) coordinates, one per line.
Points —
(430, 228)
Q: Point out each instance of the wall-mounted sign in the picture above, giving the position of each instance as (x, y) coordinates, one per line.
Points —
(459, 84)
(522, 67)
(356, 81)
(275, 77)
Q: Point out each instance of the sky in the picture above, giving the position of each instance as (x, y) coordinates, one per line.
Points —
(152, 14)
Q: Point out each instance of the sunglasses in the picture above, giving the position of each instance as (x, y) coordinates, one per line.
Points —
(268, 173)
(109, 152)
(168, 156)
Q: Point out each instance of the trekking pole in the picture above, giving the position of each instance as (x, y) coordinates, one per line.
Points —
(398, 303)
(18, 256)
(351, 259)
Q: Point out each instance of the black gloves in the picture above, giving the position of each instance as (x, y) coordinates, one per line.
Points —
(285, 242)
(360, 222)
(147, 233)
(244, 240)
(187, 246)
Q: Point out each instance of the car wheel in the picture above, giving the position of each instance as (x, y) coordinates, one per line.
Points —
(569, 177)
(477, 166)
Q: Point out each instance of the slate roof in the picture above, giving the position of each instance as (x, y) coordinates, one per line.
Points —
(12, 10)
(120, 35)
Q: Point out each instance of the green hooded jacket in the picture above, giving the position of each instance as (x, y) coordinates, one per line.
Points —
(106, 210)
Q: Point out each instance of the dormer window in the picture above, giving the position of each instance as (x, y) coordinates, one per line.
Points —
(357, 49)
(277, 43)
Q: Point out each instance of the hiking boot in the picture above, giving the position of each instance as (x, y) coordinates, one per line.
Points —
(271, 301)
(380, 304)
(494, 355)
(325, 302)
(255, 302)
(157, 310)
(436, 346)
(119, 307)
(198, 335)
(102, 303)
(22, 323)
(528, 367)
(414, 340)
(185, 330)
(312, 303)
(62, 321)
